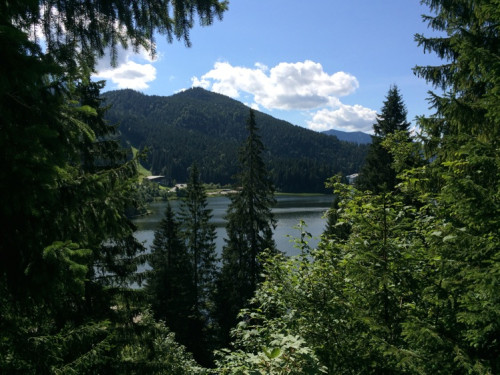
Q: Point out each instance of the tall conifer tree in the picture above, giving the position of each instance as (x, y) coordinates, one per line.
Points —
(460, 304)
(249, 229)
(378, 174)
(199, 237)
(67, 251)
(169, 283)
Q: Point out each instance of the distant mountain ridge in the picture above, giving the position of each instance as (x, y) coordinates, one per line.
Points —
(202, 126)
(355, 137)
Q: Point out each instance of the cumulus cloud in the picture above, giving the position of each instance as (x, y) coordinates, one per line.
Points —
(254, 106)
(301, 85)
(346, 118)
(128, 73)
(293, 86)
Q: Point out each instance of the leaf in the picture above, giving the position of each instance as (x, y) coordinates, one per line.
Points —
(276, 352)
(449, 237)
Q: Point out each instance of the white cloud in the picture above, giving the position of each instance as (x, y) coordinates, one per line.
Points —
(203, 83)
(293, 86)
(254, 106)
(128, 73)
(300, 85)
(261, 66)
(346, 118)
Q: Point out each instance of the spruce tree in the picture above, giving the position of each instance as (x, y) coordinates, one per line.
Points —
(67, 252)
(199, 237)
(378, 173)
(83, 32)
(457, 321)
(250, 225)
(169, 283)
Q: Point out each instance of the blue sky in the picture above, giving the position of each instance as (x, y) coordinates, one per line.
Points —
(320, 64)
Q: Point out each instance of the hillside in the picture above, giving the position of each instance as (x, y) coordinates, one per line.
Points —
(355, 137)
(198, 125)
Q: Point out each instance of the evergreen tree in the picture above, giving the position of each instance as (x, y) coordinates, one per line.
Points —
(67, 251)
(457, 321)
(378, 173)
(169, 283)
(250, 225)
(199, 237)
(68, 254)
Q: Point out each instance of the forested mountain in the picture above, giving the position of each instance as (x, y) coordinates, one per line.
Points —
(355, 137)
(198, 125)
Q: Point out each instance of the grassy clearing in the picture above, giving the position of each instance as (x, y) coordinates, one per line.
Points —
(143, 172)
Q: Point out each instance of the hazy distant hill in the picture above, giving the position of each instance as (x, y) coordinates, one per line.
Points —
(198, 125)
(355, 137)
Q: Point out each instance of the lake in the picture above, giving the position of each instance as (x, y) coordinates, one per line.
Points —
(290, 209)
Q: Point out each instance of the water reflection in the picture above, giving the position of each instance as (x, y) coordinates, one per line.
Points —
(289, 211)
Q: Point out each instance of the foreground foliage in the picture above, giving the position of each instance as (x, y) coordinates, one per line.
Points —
(412, 288)
(67, 252)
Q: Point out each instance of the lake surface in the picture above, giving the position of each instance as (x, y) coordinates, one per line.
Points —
(290, 209)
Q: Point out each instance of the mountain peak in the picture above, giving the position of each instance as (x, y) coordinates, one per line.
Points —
(354, 137)
(199, 93)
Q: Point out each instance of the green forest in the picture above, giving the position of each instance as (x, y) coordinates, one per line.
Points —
(198, 125)
(405, 278)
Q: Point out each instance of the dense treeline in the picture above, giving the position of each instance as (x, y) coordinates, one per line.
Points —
(197, 125)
